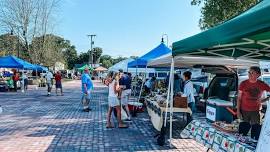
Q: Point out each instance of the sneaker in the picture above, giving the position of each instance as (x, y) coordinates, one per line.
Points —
(86, 110)
(128, 119)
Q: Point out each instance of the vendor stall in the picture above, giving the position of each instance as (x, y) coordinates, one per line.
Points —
(246, 36)
(156, 108)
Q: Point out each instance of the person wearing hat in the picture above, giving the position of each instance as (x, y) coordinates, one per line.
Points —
(87, 86)
(249, 102)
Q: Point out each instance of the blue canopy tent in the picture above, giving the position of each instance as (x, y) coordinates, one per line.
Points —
(14, 62)
(40, 68)
(142, 61)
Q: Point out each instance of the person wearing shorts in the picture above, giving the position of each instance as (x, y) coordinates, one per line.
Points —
(58, 83)
(87, 86)
(113, 99)
(125, 83)
(249, 102)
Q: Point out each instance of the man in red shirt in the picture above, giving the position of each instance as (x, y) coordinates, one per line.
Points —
(15, 79)
(249, 102)
(58, 83)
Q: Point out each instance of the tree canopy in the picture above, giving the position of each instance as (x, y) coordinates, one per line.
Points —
(216, 12)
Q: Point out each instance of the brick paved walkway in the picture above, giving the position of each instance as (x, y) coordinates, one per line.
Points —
(35, 122)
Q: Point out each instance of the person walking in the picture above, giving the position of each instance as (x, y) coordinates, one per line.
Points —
(87, 86)
(113, 99)
(15, 79)
(58, 83)
(249, 102)
(24, 81)
(189, 93)
(49, 81)
(125, 85)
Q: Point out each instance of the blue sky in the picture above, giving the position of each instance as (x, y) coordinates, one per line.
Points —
(126, 27)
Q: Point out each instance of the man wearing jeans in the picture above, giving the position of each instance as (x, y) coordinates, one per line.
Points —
(87, 86)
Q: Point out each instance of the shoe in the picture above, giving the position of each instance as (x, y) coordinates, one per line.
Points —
(86, 110)
(123, 126)
(127, 119)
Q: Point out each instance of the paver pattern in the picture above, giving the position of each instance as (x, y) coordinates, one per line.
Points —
(33, 122)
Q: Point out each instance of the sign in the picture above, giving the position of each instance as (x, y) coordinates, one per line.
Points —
(264, 139)
(211, 113)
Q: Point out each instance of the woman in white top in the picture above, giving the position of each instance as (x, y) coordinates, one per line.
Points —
(113, 99)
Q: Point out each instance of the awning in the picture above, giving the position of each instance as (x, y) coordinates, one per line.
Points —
(14, 62)
(245, 36)
(40, 68)
(101, 69)
(85, 66)
(141, 62)
(189, 62)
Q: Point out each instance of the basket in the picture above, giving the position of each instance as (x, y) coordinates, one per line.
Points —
(180, 102)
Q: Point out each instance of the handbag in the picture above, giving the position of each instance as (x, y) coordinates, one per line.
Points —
(123, 114)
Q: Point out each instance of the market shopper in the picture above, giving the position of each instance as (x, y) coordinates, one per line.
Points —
(58, 83)
(150, 85)
(49, 82)
(87, 86)
(189, 93)
(113, 99)
(25, 81)
(249, 102)
(15, 79)
(125, 85)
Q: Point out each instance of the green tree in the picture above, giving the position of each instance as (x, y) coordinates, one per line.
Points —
(50, 49)
(83, 58)
(106, 61)
(70, 55)
(118, 59)
(216, 12)
(97, 52)
(9, 44)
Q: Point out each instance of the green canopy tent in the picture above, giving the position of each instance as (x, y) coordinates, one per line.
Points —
(245, 36)
(85, 66)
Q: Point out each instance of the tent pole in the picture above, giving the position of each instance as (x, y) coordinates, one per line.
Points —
(36, 79)
(168, 98)
(171, 100)
(22, 87)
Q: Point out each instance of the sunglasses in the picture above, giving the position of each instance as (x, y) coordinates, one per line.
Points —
(252, 72)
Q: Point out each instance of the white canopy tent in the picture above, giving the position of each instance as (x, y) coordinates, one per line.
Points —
(189, 62)
(124, 66)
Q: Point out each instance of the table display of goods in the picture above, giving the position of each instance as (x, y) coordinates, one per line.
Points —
(226, 127)
(216, 139)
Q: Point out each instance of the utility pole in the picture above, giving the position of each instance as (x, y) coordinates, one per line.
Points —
(91, 61)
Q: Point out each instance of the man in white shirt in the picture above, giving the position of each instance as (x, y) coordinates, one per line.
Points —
(49, 79)
(189, 93)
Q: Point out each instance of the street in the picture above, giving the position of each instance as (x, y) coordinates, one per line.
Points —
(34, 122)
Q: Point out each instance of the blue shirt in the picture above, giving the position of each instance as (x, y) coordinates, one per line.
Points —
(125, 80)
(86, 79)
